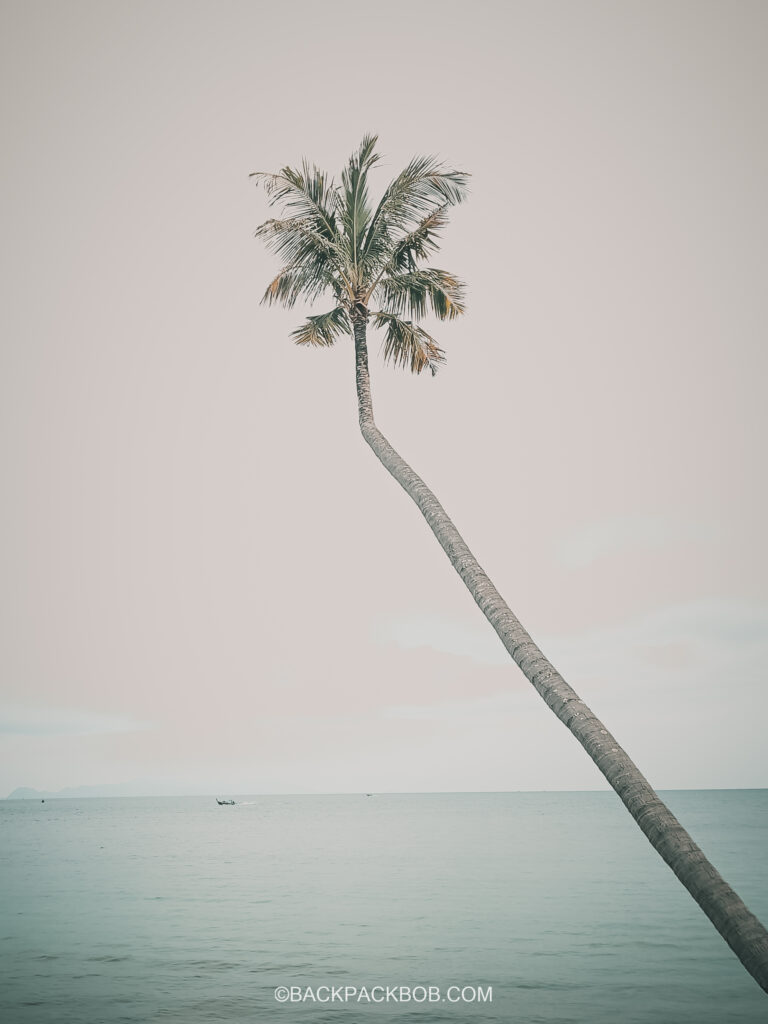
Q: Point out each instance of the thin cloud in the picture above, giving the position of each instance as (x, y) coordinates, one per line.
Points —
(21, 721)
(604, 538)
(441, 634)
(465, 711)
(698, 645)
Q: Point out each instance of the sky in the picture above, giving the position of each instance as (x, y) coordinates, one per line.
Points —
(208, 582)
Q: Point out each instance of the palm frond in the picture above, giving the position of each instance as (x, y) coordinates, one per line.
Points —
(352, 203)
(309, 280)
(408, 345)
(308, 194)
(414, 292)
(324, 329)
(293, 237)
(297, 242)
(421, 242)
(423, 185)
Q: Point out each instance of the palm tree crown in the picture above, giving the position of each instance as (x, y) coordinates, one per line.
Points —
(331, 239)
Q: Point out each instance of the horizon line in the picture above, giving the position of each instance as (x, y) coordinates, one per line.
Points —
(63, 795)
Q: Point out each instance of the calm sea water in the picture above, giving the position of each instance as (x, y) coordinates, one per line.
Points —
(178, 910)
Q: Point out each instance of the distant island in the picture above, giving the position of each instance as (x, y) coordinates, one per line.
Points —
(115, 789)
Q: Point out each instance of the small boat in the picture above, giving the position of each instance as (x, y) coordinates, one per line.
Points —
(225, 803)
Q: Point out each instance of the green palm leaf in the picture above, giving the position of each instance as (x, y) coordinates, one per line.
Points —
(296, 281)
(297, 240)
(419, 243)
(352, 204)
(424, 185)
(323, 330)
(309, 193)
(419, 290)
(408, 345)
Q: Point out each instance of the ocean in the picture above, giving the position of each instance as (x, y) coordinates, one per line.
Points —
(521, 908)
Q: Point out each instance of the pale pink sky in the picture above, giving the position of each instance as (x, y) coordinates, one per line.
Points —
(208, 581)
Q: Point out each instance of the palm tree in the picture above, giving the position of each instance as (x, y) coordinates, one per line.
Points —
(331, 239)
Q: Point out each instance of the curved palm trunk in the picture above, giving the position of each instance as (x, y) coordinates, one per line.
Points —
(741, 929)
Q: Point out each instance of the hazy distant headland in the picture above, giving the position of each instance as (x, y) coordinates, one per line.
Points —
(113, 789)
